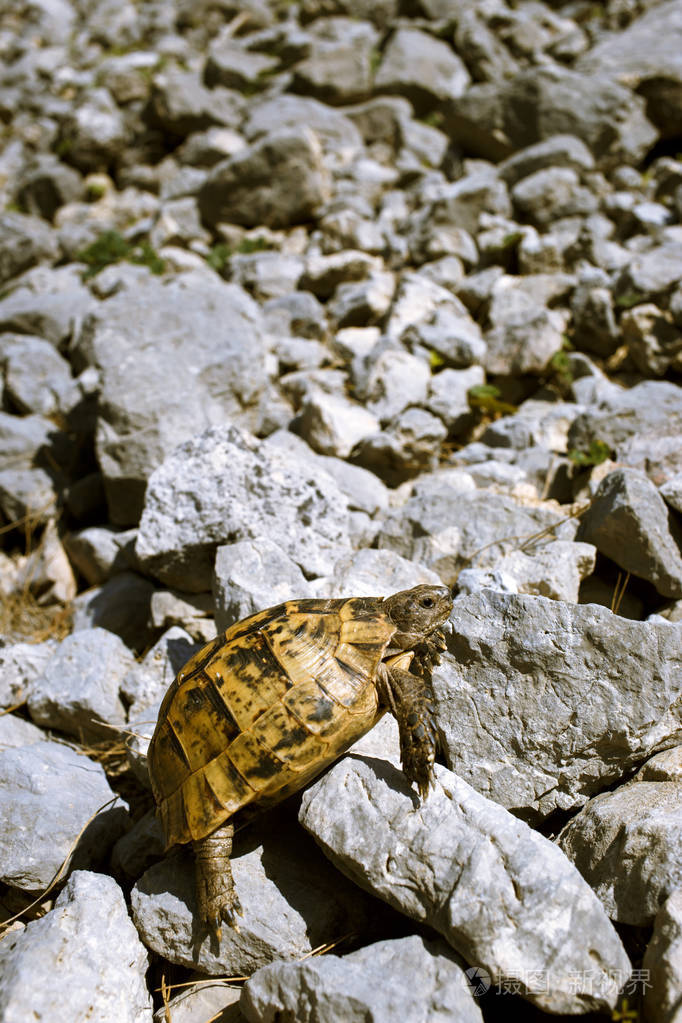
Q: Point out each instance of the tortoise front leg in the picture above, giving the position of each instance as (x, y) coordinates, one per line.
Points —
(410, 700)
(217, 898)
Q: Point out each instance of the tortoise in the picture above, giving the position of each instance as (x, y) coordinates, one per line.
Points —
(265, 707)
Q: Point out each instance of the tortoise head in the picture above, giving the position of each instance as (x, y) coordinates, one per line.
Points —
(417, 613)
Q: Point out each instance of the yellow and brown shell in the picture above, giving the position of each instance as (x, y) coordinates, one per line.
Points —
(264, 708)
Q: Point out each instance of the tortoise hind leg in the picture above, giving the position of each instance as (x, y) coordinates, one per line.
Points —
(217, 898)
(409, 698)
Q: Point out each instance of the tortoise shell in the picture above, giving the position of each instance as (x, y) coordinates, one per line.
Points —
(264, 708)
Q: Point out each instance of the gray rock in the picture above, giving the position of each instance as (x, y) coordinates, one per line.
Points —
(630, 523)
(338, 69)
(251, 575)
(427, 983)
(653, 340)
(145, 682)
(626, 844)
(213, 344)
(14, 732)
(46, 184)
(78, 691)
(374, 573)
(24, 241)
(503, 896)
(230, 64)
(224, 487)
(410, 444)
(493, 121)
(139, 848)
(332, 424)
(180, 104)
(671, 492)
(649, 411)
(536, 424)
(46, 572)
(267, 275)
(364, 302)
(218, 1002)
(487, 524)
(421, 67)
(121, 605)
(50, 792)
(335, 131)
(278, 181)
(20, 665)
(48, 303)
(37, 379)
(191, 611)
(563, 151)
(650, 274)
(293, 901)
(596, 692)
(664, 766)
(83, 960)
(447, 397)
(94, 132)
(547, 195)
(628, 57)
(663, 960)
(594, 320)
(525, 333)
(555, 571)
(99, 552)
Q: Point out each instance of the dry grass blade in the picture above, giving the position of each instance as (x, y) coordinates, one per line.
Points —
(619, 591)
(327, 946)
(165, 995)
(15, 706)
(5, 923)
(202, 983)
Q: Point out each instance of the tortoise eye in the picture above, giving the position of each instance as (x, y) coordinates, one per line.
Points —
(427, 601)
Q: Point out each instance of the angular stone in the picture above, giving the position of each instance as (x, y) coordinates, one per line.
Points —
(503, 896)
(332, 424)
(15, 732)
(20, 665)
(374, 573)
(338, 69)
(143, 342)
(336, 132)
(292, 899)
(223, 487)
(24, 241)
(493, 121)
(427, 982)
(645, 57)
(82, 960)
(179, 103)
(99, 552)
(145, 682)
(251, 575)
(652, 339)
(629, 522)
(558, 151)
(48, 303)
(423, 528)
(121, 605)
(37, 378)
(447, 397)
(547, 195)
(232, 65)
(78, 691)
(626, 844)
(526, 334)
(410, 444)
(649, 411)
(50, 792)
(280, 180)
(597, 692)
(424, 69)
(663, 960)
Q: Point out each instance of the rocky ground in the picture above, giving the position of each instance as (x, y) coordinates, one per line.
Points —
(332, 298)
